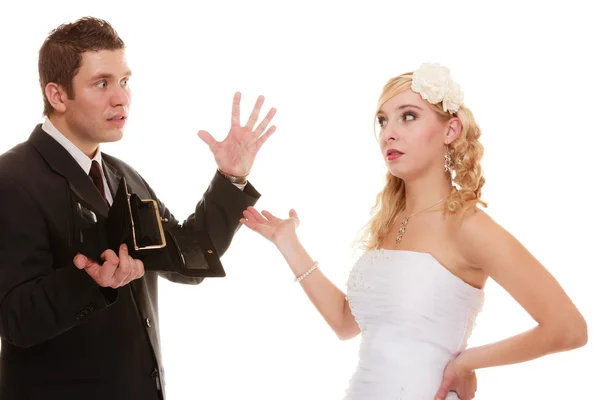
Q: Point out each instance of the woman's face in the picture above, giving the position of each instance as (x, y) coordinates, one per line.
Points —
(412, 136)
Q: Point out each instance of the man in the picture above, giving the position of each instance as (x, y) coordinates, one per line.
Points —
(70, 327)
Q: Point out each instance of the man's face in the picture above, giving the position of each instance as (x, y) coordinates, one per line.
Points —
(98, 109)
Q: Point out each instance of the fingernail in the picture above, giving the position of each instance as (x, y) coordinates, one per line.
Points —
(79, 257)
(123, 246)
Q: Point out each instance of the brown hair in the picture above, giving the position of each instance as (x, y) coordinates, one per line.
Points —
(60, 55)
(465, 152)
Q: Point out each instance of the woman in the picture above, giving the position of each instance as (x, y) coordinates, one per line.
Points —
(416, 291)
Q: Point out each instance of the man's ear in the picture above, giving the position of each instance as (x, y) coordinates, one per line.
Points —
(56, 95)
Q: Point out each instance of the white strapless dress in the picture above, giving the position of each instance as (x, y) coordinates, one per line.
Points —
(414, 316)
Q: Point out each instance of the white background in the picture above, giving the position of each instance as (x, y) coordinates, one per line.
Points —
(529, 72)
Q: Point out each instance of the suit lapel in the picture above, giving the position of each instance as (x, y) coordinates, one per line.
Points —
(113, 176)
(61, 162)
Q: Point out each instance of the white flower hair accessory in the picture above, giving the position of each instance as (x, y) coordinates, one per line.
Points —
(434, 83)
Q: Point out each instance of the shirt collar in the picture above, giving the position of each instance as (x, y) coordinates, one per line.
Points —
(83, 160)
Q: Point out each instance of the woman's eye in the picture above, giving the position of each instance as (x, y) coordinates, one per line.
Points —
(408, 117)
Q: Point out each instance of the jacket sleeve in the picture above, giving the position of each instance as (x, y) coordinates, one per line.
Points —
(218, 214)
(38, 299)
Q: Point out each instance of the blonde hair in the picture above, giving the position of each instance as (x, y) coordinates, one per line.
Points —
(465, 152)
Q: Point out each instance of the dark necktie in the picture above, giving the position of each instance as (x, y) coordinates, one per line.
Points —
(96, 175)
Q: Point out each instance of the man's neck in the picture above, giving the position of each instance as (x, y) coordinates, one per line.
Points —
(89, 149)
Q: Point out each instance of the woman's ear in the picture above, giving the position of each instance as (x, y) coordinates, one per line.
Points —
(453, 130)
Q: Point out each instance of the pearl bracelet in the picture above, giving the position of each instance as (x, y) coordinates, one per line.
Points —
(304, 275)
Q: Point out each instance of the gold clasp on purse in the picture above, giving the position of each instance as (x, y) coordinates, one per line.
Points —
(163, 242)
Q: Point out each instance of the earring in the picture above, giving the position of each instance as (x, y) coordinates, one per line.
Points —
(447, 160)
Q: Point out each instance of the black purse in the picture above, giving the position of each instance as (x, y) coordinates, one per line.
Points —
(137, 223)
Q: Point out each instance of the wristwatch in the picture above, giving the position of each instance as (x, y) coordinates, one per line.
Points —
(234, 179)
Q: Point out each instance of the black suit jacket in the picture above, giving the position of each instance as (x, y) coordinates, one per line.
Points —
(63, 336)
